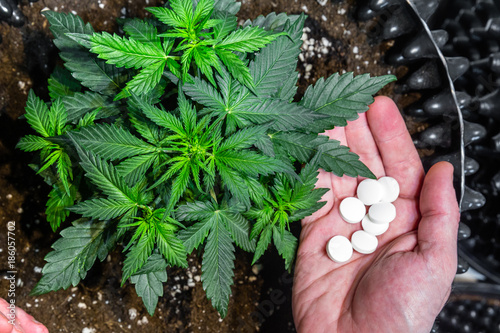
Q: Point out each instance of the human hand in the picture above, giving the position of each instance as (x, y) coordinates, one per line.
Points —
(403, 285)
(23, 323)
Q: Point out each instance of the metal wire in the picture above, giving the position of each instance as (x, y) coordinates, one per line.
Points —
(455, 100)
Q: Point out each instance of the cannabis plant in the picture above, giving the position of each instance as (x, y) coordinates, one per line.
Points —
(181, 133)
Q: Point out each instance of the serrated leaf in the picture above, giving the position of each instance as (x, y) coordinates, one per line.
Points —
(262, 218)
(304, 194)
(188, 113)
(149, 281)
(228, 22)
(61, 83)
(92, 73)
(248, 39)
(183, 8)
(203, 8)
(124, 52)
(236, 67)
(302, 213)
(175, 71)
(194, 211)
(251, 163)
(102, 209)
(272, 21)
(166, 16)
(59, 200)
(87, 120)
(193, 236)
(128, 218)
(135, 167)
(64, 170)
(58, 117)
(111, 142)
(57, 89)
(143, 32)
(204, 93)
(179, 163)
(106, 177)
(137, 255)
(49, 157)
(186, 59)
(333, 157)
(82, 39)
(277, 61)
(147, 79)
(205, 58)
(179, 185)
(244, 138)
(80, 104)
(286, 244)
(340, 160)
(263, 243)
(161, 118)
(147, 129)
(265, 145)
(74, 254)
(32, 143)
(282, 115)
(234, 183)
(289, 88)
(230, 6)
(62, 23)
(239, 228)
(170, 246)
(38, 115)
(342, 97)
(230, 89)
(257, 190)
(217, 267)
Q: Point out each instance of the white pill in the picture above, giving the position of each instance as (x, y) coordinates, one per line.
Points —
(364, 242)
(391, 189)
(370, 191)
(352, 210)
(375, 229)
(382, 212)
(339, 249)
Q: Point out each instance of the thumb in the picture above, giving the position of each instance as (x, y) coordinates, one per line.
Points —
(437, 231)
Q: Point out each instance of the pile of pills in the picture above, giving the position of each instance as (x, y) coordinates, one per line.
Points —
(378, 195)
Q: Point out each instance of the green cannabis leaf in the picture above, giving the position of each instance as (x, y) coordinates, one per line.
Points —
(149, 281)
(342, 97)
(211, 41)
(182, 133)
(221, 226)
(49, 123)
(74, 254)
(288, 200)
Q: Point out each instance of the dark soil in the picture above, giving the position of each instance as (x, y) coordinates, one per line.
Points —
(261, 298)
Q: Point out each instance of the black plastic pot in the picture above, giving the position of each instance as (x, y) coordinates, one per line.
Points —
(472, 308)
(433, 75)
(474, 30)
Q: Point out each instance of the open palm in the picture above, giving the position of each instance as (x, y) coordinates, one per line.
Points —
(403, 285)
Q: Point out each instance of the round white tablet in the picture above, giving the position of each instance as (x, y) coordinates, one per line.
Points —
(370, 191)
(382, 212)
(391, 189)
(352, 210)
(364, 242)
(339, 249)
(375, 229)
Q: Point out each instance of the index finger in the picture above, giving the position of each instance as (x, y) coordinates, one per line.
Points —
(396, 148)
